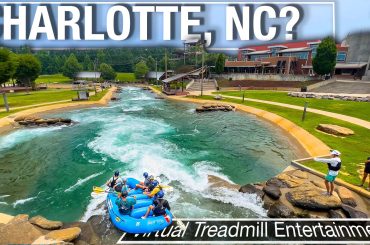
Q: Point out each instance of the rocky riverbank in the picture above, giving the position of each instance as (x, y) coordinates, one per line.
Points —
(35, 121)
(298, 194)
(215, 107)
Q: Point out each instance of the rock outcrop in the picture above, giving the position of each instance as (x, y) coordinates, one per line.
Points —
(309, 196)
(329, 96)
(296, 193)
(353, 213)
(279, 210)
(37, 230)
(67, 235)
(45, 223)
(215, 107)
(346, 196)
(272, 191)
(290, 180)
(32, 121)
(10, 233)
(252, 189)
(335, 130)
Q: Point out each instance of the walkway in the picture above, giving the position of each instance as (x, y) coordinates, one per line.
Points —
(345, 118)
(34, 105)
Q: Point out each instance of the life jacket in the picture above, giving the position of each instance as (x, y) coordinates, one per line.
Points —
(336, 168)
(147, 181)
(151, 186)
(124, 208)
(113, 182)
(159, 209)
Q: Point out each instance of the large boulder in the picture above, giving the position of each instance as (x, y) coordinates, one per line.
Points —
(272, 191)
(5, 218)
(309, 196)
(279, 210)
(334, 214)
(19, 231)
(290, 180)
(353, 213)
(299, 174)
(251, 189)
(335, 129)
(217, 182)
(276, 182)
(346, 196)
(66, 235)
(45, 223)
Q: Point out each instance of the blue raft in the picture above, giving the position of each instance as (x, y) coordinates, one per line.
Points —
(133, 223)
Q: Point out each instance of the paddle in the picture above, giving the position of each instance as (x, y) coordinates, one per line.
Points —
(180, 223)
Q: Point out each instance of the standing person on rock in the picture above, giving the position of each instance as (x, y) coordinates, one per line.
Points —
(366, 173)
(334, 165)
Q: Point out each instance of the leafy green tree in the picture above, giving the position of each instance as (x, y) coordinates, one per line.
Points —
(150, 62)
(8, 65)
(87, 63)
(220, 64)
(141, 69)
(326, 57)
(28, 69)
(107, 72)
(71, 66)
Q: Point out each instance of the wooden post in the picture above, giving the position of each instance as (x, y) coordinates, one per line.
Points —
(6, 102)
(304, 111)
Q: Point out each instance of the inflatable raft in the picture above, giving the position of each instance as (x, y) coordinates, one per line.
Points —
(133, 223)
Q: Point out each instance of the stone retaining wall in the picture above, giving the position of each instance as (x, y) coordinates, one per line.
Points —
(345, 97)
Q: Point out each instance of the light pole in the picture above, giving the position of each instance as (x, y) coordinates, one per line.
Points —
(6, 102)
(156, 71)
(202, 70)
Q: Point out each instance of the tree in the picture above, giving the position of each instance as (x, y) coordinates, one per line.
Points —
(150, 62)
(141, 69)
(220, 64)
(107, 72)
(8, 65)
(71, 66)
(28, 69)
(87, 63)
(326, 57)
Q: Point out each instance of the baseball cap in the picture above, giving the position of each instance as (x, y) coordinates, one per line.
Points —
(335, 152)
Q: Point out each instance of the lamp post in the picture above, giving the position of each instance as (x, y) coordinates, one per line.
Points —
(202, 70)
(6, 102)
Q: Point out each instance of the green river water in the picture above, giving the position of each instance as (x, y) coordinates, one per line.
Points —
(50, 171)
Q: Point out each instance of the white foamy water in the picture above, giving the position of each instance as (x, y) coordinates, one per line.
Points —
(23, 135)
(81, 182)
(23, 201)
(141, 144)
(94, 207)
(132, 109)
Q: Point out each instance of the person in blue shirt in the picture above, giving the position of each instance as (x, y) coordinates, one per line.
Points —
(125, 204)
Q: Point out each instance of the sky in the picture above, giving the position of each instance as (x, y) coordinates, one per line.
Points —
(319, 19)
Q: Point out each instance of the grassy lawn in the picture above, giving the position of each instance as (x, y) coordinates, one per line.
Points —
(355, 149)
(350, 108)
(55, 78)
(126, 77)
(38, 97)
